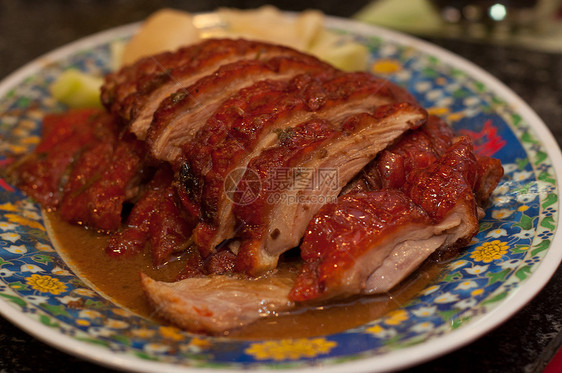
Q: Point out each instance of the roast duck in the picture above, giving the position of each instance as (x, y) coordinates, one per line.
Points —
(232, 152)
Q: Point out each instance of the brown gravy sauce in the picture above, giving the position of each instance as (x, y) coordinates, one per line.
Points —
(118, 279)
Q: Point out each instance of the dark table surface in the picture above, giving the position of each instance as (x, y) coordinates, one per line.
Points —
(525, 343)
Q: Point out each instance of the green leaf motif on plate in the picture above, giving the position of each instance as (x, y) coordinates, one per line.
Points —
(16, 300)
(448, 315)
(145, 356)
(522, 162)
(543, 245)
(42, 259)
(457, 73)
(550, 200)
(484, 226)
(93, 341)
(459, 321)
(540, 157)
(461, 93)
(516, 119)
(431, 73)
(452, 277)
(548, 223)
(19, 286)
(121, 339)
(46, 320)
(57, 310)
(23, 102)
(480, 87)
(528, 138)
(546, 177)
(412, 342)
(496, 298)
(95, 304)
(498, 101)
(433, 60)
(518, 249)
(498, 276)
(525, 223)
(523, 272)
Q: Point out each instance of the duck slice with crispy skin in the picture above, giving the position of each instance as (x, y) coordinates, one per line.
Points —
(364, 243)
(85, 167)
(42, 173)
(319, 158)
(368, 242)
(218, 303)
(156, 222)
(135, 91)
(248, 122)
(416, 149)
(183, 113)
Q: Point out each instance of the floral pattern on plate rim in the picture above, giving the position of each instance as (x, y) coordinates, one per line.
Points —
(514, 235)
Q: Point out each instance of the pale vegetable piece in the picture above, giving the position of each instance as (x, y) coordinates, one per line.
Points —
(340, 51)
(418, 16)
(117, 48)
(309, 25)
(76, 89)
(165, 30)
(169, 29)
(270, 24)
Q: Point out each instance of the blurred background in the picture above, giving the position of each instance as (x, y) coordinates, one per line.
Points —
(491, 33)
(517, 41)
(534, 24)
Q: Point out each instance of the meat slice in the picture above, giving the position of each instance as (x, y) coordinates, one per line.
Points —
(183, 113)
(348, 240)
(416, 149)
(135, 91)
(364, 243)
(306, 170)
(43, 173)
(101, 180)
(368, 242)
(455, 230)
(156, 222)
(218, 303)
(249, 122)
(84, 167)
(490, 172)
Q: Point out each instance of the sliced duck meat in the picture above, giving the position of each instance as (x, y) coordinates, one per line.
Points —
(85, 167)
(43, 173)
(232, 152)
(368, 242)
(135, 91)
(156, 222)
(214, 304)
(306, 170)
(249, 122)
(102, 179)
(490, 172)
(416, 149)
(438, 187)
(183, 113)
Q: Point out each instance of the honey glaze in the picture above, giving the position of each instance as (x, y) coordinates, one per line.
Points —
(118, 279)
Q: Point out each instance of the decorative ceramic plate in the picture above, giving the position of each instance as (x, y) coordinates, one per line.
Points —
(512, 257)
